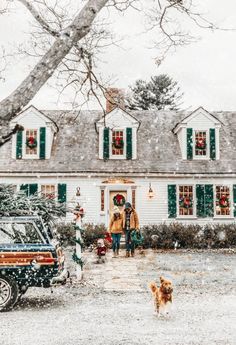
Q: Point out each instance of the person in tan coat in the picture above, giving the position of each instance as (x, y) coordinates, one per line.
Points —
(116, 230)
(130, 222)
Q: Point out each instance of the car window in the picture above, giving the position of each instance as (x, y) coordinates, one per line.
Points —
(19, 233)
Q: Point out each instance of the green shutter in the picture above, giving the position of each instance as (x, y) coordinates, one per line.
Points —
(42, 145)
(33, 188)
(29, 189)
(200, 195)
(129, 143)
(209, 200)
(212, 143)
(106, 143)
(189, 143)
(19, 141)
(25, 188)
(172, 206)
(62, 192)
(234, 196)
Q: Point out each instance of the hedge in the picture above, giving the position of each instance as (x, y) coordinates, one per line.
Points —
(178, 235)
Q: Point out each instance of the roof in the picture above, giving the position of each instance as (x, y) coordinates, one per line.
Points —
(75, 148)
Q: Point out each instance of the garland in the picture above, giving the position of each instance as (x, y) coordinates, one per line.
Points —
(137, 237)
(79, 241)
(201, 144)
(119, 200)
(31, 142)
(78, 260)
(224, 201)
(186, 202)
(118, 143)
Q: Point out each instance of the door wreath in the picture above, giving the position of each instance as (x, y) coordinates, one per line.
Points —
(119, 200)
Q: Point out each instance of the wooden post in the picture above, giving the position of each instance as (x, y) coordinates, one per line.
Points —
(78, 249)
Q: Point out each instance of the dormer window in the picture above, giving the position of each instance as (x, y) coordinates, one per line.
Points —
(118, 135)
(35, 141)
(198, 135)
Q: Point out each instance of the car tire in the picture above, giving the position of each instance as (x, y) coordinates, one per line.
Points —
(9, 293)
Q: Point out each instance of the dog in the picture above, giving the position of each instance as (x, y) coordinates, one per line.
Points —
(162, 295)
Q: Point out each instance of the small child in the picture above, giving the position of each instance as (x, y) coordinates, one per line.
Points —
(101, 251)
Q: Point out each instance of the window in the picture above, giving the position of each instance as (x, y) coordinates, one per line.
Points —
(185, 200)
(117, 143)
(133, 198)
(222, 201)
(200, 143)
(102, 200)
(31, 142)
(19, 233)
(48, 191)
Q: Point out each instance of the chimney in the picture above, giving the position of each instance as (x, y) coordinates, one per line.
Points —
(114, 98)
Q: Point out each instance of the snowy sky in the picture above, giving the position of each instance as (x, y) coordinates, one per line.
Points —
(205, 70)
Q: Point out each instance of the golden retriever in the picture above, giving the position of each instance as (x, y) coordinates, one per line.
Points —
(162, 295)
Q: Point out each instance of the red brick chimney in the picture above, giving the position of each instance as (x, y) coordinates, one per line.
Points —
(114, 98)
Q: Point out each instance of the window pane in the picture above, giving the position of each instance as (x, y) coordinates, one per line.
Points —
(185, 200)
(222, 201)
(117, 143)
(19, 233)
(200, 143)
(31, 142)
(48, 191)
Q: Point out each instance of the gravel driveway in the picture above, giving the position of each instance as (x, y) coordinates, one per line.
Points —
(113, 305)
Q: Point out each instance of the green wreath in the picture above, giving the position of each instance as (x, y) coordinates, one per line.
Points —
(119, 200)
(31, 142)
(137, 237)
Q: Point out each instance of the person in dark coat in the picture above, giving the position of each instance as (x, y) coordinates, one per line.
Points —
(130, 223)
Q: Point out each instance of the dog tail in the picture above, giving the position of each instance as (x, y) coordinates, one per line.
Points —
(153, 287)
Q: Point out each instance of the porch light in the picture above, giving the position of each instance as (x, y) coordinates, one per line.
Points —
(150, 192)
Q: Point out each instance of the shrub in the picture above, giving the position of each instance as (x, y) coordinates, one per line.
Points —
(92, 232)
(189, 236)
(66, 233)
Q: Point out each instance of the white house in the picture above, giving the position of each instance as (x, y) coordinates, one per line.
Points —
(169, 165)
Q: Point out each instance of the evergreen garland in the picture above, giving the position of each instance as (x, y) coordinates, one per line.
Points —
(78, 260)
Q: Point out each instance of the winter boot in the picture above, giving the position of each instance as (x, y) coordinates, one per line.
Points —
(117, 252)
(132, 254)
(114, 254)
(127, 254)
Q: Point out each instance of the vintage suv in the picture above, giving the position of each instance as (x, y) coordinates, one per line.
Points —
(27, 258)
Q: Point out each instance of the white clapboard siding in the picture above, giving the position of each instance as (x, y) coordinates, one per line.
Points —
(150, 211)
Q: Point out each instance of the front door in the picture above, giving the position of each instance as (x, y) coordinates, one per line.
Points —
(117, 198)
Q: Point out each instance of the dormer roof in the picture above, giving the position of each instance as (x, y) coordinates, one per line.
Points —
(199, 112)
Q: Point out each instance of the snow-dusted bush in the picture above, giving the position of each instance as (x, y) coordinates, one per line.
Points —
(178, 235)
(92, 232)
(66, 233)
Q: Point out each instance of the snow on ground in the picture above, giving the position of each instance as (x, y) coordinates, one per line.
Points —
(113, 306)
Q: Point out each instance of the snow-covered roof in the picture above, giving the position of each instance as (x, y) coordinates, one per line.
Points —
(75, 147)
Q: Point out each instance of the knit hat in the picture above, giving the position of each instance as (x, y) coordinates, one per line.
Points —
(128, 205)
(116, 209)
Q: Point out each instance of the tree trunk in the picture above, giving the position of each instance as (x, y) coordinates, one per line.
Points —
(45, 68)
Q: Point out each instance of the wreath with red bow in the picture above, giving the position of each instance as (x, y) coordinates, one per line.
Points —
(119, 200)
(31, 142)
(224, 201)
(186, 202)
(118, 143)
(201, 143)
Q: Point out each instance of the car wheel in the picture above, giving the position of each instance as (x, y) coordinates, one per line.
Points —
(8, 293)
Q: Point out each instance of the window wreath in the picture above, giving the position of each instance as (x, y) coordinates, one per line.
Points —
(119, 200)
(201, 143)
(118, 143)
(186, 202)
(224, 201)
(31, 142)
